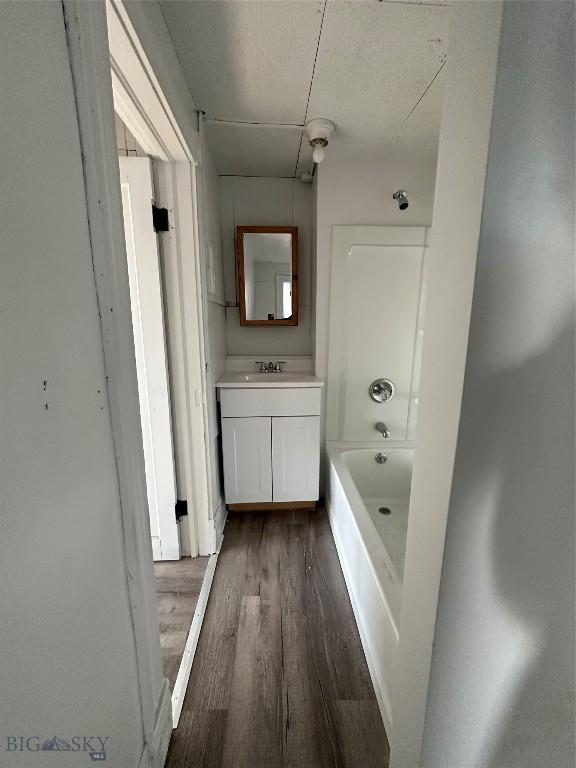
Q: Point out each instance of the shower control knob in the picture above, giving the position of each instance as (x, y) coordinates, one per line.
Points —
(381, 390)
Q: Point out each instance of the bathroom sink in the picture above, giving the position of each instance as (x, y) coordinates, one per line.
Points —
(238, 380)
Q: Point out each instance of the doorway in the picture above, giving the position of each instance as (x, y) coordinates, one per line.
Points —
(147, 307)
(162, 227)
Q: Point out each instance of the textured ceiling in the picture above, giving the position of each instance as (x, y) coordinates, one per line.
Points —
(374, 68)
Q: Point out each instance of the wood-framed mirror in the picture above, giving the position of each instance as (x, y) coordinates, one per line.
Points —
(267, 274)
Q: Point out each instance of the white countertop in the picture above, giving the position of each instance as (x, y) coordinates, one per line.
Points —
(239, 380)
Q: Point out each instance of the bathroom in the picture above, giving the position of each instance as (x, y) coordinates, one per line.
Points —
(350, 351)
(289, 383)
(341, 153)
(315, 406)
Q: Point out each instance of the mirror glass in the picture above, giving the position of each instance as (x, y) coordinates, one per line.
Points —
(267, 275)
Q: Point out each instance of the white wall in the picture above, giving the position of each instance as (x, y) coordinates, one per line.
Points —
(356, 191)
(267, 202)
(68, 662)
(502, 684)
(470, 75)
(215, 319)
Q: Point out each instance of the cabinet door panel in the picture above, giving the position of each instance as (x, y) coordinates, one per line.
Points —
(247, 460)
(295, 458)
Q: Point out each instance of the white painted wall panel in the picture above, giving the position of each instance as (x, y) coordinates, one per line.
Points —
(216, 350)
(68, 664)
(502, 683)
(215, 318)
(267, 202)
(213, 231)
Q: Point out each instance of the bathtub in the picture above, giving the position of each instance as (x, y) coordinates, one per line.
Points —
(368, 509)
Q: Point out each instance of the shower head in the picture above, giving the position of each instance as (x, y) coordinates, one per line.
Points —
(402, 197)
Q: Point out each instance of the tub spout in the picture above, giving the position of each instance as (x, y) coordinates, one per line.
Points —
(382, 428)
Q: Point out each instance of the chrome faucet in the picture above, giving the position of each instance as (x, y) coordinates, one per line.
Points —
(270, 367)
(382, 428)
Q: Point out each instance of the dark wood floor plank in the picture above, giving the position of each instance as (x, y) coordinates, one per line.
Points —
(178, 585)
(342, 658)
(184, 576)
(279, 678)
(301, 735)
(211, 676)
(363, 738)
(253, 731)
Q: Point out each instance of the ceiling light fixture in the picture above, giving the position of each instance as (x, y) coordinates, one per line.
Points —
(319, 132)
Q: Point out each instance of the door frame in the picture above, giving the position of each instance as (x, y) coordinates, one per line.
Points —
(95, 31)
(144, 109)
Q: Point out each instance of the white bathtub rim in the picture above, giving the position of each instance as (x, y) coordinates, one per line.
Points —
(374, 546)
(378, 557)
(383, 706)
(370, 445)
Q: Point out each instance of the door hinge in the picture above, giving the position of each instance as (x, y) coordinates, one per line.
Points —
(181, 509)
(160, 219)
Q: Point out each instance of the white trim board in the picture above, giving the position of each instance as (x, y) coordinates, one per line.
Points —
(141, 104)
(90, 68)
(181, 684)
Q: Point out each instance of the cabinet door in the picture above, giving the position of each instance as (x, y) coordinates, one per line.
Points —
(247, 459)
(296, 457)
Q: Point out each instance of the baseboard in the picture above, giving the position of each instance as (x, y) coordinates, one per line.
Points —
(181, 684)
(366, 646)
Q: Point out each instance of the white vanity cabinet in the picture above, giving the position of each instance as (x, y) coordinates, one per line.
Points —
(271, 441)
(247, 464)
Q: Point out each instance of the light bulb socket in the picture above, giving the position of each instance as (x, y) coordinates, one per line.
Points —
(319, 130)
(318, 145)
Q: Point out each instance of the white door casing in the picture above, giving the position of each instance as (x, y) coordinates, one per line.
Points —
(295, 458)
(150, 351)
(247, 459)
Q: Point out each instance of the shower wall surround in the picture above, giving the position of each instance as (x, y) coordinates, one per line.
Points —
(375, 331)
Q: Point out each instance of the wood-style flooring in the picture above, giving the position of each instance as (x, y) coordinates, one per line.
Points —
(279, 677)
(178, 584)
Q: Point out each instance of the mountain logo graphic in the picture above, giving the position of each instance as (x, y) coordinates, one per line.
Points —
(55, 744)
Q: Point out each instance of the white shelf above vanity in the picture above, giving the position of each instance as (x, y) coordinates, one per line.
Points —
(270, 438)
